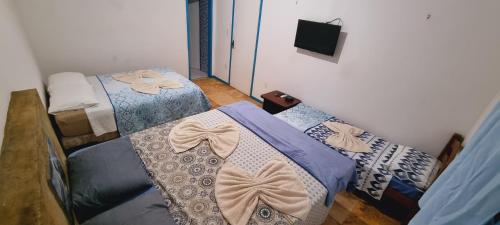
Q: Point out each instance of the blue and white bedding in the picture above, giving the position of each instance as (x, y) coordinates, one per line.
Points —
(303, 117)
(136, 111)
(404, 168)
(330, 168)
(187, 179)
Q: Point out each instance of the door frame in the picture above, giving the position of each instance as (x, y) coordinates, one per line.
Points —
(255, 51)
(210, 34)
(231, 44)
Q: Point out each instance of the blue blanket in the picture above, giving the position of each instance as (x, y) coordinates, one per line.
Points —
(330, 168)
(136, 111)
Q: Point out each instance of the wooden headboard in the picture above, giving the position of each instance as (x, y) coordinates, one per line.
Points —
(450, 151)
(25, 195)
(452, 148)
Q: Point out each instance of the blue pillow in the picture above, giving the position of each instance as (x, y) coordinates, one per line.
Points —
(146, 209)
(105, 175)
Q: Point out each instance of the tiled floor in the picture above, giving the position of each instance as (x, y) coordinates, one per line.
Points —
(347, 209)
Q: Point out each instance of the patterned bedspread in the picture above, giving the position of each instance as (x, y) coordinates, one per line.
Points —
(303, 116)
(137, 111)
(187, 179)
(376, 169)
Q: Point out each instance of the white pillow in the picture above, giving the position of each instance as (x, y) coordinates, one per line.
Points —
(70, 97)
(66, 78)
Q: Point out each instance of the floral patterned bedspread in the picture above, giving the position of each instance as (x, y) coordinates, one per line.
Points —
(187, 179)
(136, 111)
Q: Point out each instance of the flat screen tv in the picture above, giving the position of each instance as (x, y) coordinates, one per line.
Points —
(317, 37)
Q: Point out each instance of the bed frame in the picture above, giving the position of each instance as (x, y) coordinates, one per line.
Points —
(25, 195)
(400, 206)
(71, 144)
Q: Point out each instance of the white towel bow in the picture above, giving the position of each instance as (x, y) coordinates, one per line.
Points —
(345, 137)
(137, 82)
(223, 138)
(276, 184)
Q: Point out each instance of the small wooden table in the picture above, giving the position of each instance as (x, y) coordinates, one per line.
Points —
(274, 103)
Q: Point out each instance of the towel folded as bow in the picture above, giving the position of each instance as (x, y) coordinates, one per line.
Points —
(223, 138)
(139, 84)
(346, 137)
(136, 76)
(276, 184)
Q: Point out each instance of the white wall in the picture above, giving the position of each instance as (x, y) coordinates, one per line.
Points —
(410, 79)
(97, 36)
(221, 38)
(483, 116)
(18, 69)
(194, 29)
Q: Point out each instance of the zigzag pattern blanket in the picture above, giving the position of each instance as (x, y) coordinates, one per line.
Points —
(376, 169)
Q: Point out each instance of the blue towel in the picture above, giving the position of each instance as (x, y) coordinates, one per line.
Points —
(329, 167)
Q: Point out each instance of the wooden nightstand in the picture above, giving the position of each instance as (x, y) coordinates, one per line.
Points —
(274, 103)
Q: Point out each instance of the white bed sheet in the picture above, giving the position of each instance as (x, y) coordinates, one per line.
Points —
(101, 116)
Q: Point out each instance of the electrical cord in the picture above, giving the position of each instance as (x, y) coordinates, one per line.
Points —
(340, 22)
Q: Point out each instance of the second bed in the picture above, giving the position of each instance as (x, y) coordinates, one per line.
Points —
(123, 111)
(403, 168)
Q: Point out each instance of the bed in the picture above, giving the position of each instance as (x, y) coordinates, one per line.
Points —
(122, 111)
(391, 173)
(374, 175)
(34, 163)
(185, 180)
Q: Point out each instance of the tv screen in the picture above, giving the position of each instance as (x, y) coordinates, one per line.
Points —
(317, 37)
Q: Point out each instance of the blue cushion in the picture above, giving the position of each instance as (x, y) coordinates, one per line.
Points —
(105, 175)
(406, 189)
(146, 209)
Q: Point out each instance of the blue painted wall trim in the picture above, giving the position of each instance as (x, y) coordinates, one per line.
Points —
(221, 80)
(256, 99)
(256, 48)
(230, 46)
(187, 37)
(210, 35)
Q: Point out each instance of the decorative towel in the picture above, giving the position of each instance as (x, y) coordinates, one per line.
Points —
(276, 184)
(166, 83)
(223, 138)
(128, 78)
(148, 74)
(345, 137)
(146, 88)
(137, 76)
(152, 87)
